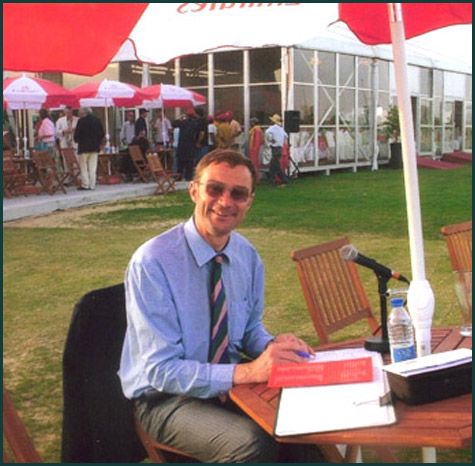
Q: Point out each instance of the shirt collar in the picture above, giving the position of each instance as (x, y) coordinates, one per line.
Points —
(201, 250)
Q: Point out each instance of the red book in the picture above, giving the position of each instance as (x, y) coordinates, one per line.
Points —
(321, 373)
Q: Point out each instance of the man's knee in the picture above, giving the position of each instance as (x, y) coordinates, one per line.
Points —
(252, 445)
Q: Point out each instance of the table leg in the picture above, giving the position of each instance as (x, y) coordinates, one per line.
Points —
(429, 455)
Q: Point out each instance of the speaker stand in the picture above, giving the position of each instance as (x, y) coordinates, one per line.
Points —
(296, 173)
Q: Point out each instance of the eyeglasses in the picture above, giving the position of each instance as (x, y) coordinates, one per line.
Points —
(216, 190)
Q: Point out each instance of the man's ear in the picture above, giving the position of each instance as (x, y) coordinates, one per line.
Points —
(193, 190)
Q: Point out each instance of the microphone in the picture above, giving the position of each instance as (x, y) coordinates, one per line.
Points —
(350, 254)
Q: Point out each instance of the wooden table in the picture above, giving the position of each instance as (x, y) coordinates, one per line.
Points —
(442, 424)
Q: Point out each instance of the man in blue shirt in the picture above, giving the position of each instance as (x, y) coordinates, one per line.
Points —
(179, 395)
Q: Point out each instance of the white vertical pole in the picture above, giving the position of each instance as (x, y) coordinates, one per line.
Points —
(420, 296)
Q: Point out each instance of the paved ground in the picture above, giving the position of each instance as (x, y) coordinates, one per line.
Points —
(32, 205)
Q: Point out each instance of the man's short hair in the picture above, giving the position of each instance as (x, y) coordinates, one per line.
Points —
(229, 156)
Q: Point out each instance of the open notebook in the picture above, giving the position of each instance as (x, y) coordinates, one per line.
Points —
(324, 408)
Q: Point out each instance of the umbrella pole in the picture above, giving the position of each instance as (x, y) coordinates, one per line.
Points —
(420, 295)
(107, 148)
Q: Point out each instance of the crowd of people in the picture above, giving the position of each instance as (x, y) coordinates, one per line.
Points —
(187, 140)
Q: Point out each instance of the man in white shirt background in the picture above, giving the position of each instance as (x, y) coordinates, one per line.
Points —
(65, 127)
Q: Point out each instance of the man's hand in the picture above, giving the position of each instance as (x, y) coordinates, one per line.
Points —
(283, 350)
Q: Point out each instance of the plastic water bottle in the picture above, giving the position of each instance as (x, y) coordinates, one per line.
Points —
(400, 332)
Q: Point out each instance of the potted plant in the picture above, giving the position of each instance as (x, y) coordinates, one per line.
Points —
(392, 132)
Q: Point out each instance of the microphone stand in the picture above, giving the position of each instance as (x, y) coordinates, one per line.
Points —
(381, 343)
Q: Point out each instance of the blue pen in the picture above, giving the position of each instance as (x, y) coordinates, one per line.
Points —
(303, 354)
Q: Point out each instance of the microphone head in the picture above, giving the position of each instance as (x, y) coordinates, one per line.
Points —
(348, 253)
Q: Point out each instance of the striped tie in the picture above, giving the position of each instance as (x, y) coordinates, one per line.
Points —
(219, 316)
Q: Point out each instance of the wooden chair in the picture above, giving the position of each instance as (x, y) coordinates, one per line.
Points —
(13, 179)
(164, 179)
(50, 177)
(99, 424)
(140, 163)
(332, 289)
(72, 165)
(459, 244)
(19, 443)
(335, 298)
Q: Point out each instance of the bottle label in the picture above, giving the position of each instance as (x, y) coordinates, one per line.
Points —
(402, 354)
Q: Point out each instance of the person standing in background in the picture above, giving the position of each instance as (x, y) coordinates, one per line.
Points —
(141, 124)
(256, 139)
(127, 132)
(89, 136)
(236, 130)
(163, 128)
(276, 137)
(65, 127)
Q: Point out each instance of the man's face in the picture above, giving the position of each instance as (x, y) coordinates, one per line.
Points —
(222, 197)
(69, 113)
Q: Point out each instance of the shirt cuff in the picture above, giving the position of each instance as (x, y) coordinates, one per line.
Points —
(222, 377)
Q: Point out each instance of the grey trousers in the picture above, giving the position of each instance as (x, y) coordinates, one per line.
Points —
(213, 432)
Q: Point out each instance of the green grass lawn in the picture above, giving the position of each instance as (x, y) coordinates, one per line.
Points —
(49, 267)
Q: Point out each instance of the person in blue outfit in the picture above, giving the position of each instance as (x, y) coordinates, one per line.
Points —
(179, 390)
(276, 137)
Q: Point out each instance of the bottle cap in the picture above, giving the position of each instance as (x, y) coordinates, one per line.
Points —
(397, 302)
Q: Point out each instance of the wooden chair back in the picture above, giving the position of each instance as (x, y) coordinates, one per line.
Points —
(459, 244)
(13, 179)
(164, 179)
(50, 177)
(140, 163)
(16, 438)
(332, 289)
(72, 165)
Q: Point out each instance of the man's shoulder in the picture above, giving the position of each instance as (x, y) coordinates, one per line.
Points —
(161, 246)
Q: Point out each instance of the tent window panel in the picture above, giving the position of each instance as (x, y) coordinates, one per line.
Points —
(303, 66)
(228, 68)
(326, 106)
(226, 99)
(194, 70)
(347, 71)
(326, 68)
(265, 101)
(265, 65)
(364, 73)
(347, 107)
(303, 99)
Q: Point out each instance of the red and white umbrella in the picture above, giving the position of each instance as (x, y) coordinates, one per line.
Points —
(108, 93)
(26, 92)
(169, 96)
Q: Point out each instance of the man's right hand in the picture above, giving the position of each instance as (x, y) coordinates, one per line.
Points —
(278, 352)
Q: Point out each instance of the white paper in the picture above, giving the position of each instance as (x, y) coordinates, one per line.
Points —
(325, 408)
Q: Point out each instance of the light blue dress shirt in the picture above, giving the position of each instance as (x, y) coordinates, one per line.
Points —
(168, 314)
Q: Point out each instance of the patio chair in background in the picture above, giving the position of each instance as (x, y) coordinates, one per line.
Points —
(50, 177)
(164, 179)
(16, 438)
(98, 421)
(139, 162)
(13, 179)
(459, 244)
(332, 289)
(72, 165)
